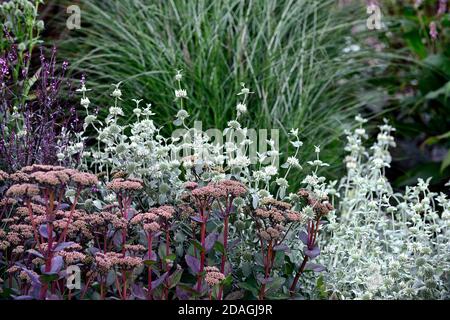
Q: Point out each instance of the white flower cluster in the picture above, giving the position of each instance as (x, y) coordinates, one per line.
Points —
(136, 149)
(140, 150)
(382, 244)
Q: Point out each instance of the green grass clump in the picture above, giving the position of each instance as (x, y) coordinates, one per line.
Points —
(289, 52)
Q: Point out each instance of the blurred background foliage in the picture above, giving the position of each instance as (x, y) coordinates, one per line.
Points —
(421, 99)
(313, 65)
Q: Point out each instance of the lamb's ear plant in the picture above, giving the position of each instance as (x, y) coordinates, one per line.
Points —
(382, 244)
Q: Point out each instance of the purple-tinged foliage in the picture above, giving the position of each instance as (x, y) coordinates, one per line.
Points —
(35, 111)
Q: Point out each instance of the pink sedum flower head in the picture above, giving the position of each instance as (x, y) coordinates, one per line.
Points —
(19, 190)
(120, 184)
(213, 276)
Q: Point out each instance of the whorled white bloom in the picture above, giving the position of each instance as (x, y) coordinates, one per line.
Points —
(360, 119)
(311, 180)
(239, 161)
(181, 94)
(182, 114)
(360, 131)
(259, 175)
(233, 124)
(178, 76)
(294, 132)
(110, 198)
(293, 162)
(137, 112)
(117, 93)
(90, 119)
(241, 108)
(271, 170)
(116, 111)
(85, 102)
(282, 182)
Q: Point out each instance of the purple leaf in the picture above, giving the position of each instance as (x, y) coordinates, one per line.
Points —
(63, 206)
(210, 241)
(220, 239)
(36, 283)
(36, 253)
(219, 214)
(193, 263)
(227, 270)
(156, 283)
(315, 267)
(153, 256)
(138, 292)
(157, 234)
(182, 294)
(282, 247)
(57, 264)
(117, 239)
(130, 213)
(151, 260)
(233, 243)
(197, 219)
(264, 280)
(63, 245)
(24, 298)
(312, 253)
(303, 237)
(33, 276)
(43, 231)
(93, 250)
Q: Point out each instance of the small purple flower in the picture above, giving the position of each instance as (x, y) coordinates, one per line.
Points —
(442, 7)
(3, 67)
(44, 118)
(433, 30)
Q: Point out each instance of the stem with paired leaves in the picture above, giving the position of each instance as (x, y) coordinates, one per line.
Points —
(313, 230)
